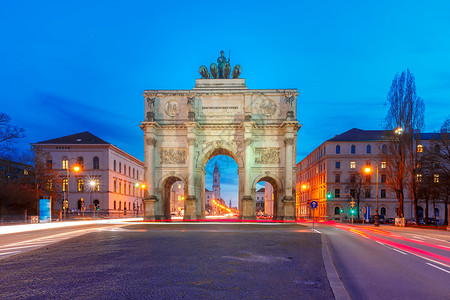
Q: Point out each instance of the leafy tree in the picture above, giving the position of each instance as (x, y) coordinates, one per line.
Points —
(355, 187)
(405, 119)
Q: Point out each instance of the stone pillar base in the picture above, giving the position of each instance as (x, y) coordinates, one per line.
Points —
(149, 208)
(189, 209)
(247, 209)
(288, 209)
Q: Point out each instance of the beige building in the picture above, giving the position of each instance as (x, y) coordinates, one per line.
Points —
(335, 170)
(109, 180)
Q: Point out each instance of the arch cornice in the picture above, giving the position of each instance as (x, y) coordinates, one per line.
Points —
(269, 174)
(166, 176)
(217, 145)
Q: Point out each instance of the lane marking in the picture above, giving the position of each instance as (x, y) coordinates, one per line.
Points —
(404, 253)
(438, 268)
(8, 253)
(418, 237)
(380, 243)
(416, 240)
(315, 230)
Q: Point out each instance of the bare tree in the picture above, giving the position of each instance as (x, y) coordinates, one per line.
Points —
(9, 134)
(405, 120)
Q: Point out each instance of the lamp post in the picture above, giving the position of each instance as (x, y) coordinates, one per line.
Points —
(377, 216)
(93, 185)
(76, 168)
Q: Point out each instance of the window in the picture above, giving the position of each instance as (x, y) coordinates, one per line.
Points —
(337, 193)
(338, 149)
(337, 178)
(96, 163)
(120, 169)
(125, 169)
(50, 185)
(383, 178)
(114, 165)
(80, 185)
(383, 165)
(383, 193)
(64, 163)
(133, 172)
(49, 164)
(352, 178)
(65, 184)
(353, 149)
(337, 165)
(353, 193)
(419, 178)
(352, 164)
(368, 178)
(383, 149)
(367, 193)
(115, 204)
(215, 180)
(96, 185)
(419, 148)
(129, 189)
(436, 178)
(120, 188)
(436, 165)
(120, 205)
(337, 211)
(383, 211)
(368, 149)
(80, 162)
(419, 165)
(115, 187)
(129, 171)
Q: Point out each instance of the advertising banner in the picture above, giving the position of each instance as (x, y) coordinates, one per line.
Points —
(44, 211)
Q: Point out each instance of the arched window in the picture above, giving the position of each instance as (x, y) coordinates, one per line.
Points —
(96, 163)
(383, 149)
(368, 149)
(80, 162)
(64, 163)
(436, 211)
(337, 211)
(96, 203)
(353, 149)
(383, 211)
(65, 184)
(338, 149)
(80, 185)
(419, 148)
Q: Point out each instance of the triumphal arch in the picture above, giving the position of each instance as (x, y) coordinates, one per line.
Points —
(183, 129)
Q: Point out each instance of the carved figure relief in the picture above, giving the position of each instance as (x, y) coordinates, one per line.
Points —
(267, 155)
(172, 108)
(268, 107)
(173, 155)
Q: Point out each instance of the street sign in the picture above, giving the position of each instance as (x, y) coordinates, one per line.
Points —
(313, 204)
(352, 204)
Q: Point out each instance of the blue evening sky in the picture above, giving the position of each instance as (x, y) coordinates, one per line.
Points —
(73, 66)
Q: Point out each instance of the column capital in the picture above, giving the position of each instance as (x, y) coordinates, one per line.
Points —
(289, 141)
(150, 141)
(191, 141)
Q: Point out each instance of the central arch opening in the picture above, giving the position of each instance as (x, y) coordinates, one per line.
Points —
(266, 197)
(221, 185)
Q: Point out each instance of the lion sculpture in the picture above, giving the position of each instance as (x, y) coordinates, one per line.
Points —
(226, 71)
(236, 71)
(204, 72)
(214, 71)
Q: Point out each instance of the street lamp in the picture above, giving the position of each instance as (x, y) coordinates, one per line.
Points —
(92, 183)
(377, 216)
(76, 168)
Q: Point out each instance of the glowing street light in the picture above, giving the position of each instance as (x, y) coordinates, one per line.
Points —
(377, 216)
(398, 130)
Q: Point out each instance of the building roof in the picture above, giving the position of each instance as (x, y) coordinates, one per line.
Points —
(261, 190)
(356, 134)
(78, 138)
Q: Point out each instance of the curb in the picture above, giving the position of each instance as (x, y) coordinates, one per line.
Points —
(339, 291)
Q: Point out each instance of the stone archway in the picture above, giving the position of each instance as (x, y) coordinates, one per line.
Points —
(183, 129)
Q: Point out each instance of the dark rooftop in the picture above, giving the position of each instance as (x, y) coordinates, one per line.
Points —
(355, 135)
(78, 138)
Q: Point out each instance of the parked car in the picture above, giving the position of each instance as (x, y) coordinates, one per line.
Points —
(390, 221)
(382, 219)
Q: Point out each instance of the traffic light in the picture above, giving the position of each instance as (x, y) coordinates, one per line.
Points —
(352, 211)
(342, 210)
(98, 208)
(329, 195)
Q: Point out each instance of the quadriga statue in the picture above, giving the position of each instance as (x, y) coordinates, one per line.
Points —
(214, 71)
(204, 72)
(236, 71)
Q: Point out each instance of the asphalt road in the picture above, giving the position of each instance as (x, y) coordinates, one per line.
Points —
(390, 263)
(172, 261)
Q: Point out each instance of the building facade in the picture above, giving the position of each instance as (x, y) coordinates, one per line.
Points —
(108, 180)
(334, 175)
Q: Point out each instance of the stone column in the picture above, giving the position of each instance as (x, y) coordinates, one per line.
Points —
(288, 203)
(288, 145)
(190, 202)
(149, 167)
(247, 207)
